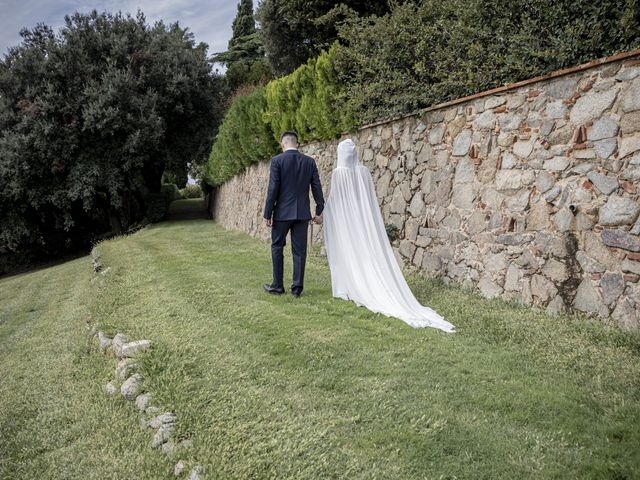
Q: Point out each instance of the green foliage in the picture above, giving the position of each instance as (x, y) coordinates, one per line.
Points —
(191, 191)
(429, 52)
(157, 205)
(392, 232)
(243, 139)
(89, 121)
(294, 31)
(245, 60)
(305, 101)
(172, 191)
(417, 55)
(309, 388)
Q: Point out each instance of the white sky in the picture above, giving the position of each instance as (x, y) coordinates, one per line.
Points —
(210, 21)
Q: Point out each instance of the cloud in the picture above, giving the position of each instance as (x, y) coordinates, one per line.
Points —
(210, 21)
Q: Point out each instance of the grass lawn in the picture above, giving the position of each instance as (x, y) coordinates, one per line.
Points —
(313, 388)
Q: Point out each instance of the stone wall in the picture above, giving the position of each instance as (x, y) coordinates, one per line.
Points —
(528, 192)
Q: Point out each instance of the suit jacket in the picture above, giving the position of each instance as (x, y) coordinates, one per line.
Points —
(291, 175)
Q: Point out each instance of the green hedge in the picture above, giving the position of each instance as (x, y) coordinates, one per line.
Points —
(420, 54)
(305, 101)
(244, 138)
(432, 51)
(191, 191)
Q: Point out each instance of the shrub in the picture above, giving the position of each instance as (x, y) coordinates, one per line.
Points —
(392, 232)
(191, 191)
(305, 101)
(431, 51)
(158, 203)
(172, 191)
(244, 138)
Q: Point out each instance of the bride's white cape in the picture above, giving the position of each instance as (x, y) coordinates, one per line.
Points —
(363, 266)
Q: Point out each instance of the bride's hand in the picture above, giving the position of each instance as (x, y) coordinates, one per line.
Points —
(317, 219)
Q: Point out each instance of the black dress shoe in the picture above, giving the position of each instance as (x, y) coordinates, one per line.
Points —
(272, 290)
(296, 294)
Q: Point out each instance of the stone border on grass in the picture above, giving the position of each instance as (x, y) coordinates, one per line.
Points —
(128, 384)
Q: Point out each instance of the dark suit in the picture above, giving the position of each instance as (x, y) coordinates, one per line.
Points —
(291, 175)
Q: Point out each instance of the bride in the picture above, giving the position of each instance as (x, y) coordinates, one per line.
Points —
(363, 267)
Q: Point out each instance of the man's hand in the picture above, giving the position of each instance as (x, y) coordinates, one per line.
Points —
(268, 222)
(317, 219)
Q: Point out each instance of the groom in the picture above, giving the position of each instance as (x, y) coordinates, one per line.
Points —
(287, 210)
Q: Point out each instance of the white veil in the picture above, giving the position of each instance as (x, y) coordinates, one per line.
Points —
(363, 267)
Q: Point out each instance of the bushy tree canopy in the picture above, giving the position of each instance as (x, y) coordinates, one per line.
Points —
(90, 118)
(294, 31)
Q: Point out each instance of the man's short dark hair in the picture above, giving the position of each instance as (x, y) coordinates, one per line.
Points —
(289, 134)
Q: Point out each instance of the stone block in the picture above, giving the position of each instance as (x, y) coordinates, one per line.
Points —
(489, 288)
(494, 101)
(103, 341)
(131, 387)
(626, 314)
(563, 220)
(463, 196)
(603, 127)
(619, 211)
(465, 171)
(543, 288)
(544, 181)
(621, 239)
(629, 145)
(605, 148)
(508, 161)
(628, 73)
(631, 173)
(125, 368)
(606, 184)
(556, 109)
(630, 266)
(118, 341)
(612, 285)
(523, 148)
(557, 164)
(431, 264)
(436, 134)
(456, 126)
(556, 306)
(630, 122)
(496, 262)
(555, 270)
(486, 121)
(563, 87)
(588, 299)
(591, 106)
(512, 278)
(514, 179)
(588, 264)
(462, 142)
(417, 206)
(631, 97)
(510, 122)
(133, 349)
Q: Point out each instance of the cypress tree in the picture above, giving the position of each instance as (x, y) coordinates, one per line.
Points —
(244, 58)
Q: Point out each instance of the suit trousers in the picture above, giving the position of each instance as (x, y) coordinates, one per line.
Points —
(279, 231)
